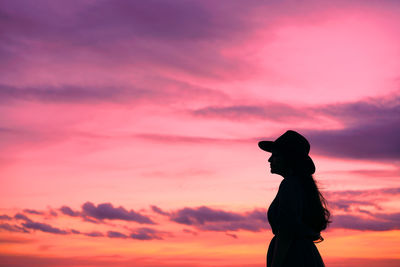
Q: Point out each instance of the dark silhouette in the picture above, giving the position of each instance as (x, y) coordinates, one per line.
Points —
(298, 213)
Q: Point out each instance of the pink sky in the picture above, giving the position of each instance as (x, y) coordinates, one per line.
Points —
(129, 130)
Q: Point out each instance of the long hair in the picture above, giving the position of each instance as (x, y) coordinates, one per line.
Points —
(316, 213)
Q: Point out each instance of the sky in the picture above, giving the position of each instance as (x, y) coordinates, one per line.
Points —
(129, 129)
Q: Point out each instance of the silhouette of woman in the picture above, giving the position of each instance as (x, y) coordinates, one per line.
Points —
(298, 213)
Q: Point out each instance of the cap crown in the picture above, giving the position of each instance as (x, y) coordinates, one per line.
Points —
(292, 142)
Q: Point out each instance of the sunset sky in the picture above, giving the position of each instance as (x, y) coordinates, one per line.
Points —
(129, 129)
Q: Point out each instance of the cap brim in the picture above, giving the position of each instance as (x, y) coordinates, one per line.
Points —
(266, 145)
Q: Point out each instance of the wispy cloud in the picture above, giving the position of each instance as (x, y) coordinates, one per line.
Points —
(208, 219)
(379, 222)
(350, 209)
(13, 228)
(31, 211)
(44, 227)
(114, 234)
(5, 217)
(106, 211)
(270, 111)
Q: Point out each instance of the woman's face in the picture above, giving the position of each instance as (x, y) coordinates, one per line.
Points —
(277, 163)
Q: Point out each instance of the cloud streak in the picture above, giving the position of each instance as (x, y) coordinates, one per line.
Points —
(208, 219)
(106, 211)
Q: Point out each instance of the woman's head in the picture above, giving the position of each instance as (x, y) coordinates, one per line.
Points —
(288, 164)
(290, 158)
(289, 154)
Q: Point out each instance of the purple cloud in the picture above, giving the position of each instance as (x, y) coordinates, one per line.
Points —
(145, 233)
(43, 227)
(5, 217)
(380, 222)
(53, 213)
(366, 193)
(200, 215)
(159, 211)
(94, 234)
(31, 211)
(171, 91)
(371, 127)
(13, 228)
(250, 225)
(114, 234)
(371, 132)
(164, 138)
(149, 32)
(375, 141)
(207, 219)
(271, 111)
(232, 235)
(20, 216)
(189, 231)
(107, 211)
(258, 214)
(345, 204)
(68, 211)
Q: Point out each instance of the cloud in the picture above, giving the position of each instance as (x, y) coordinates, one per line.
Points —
(31, 211)
(13, 228)
(68, 211)
(189, 231)
(370, 126)
(114, 234)
(380, 222)
(142, 233)
(43, 227)
(96, 214)
(232, 235)
(375, 141)
(53, 213)
(165, 138)
(64, 93)
(200, 215)
(5, 217)
(371, 129)
(208, 219)
(372, 173)
(145, 233)
(20, 216)
(161, 91)
(94, 234)
(159, 211)
(351, 201)
(363, 193)
(345, 204)
(272, 111)
(184, 35)
(350, 209)
(107, 211)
